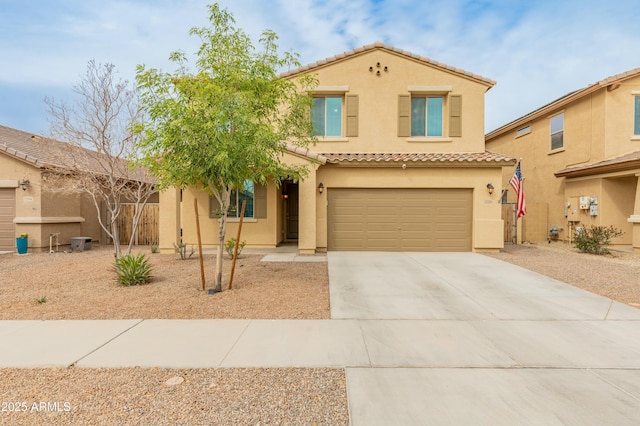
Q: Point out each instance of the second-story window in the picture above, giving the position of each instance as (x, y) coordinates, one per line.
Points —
(557, 131)
(426, 115)
(636, 115)
(327, 116)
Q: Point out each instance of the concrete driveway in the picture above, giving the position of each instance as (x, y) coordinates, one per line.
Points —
(467, 339)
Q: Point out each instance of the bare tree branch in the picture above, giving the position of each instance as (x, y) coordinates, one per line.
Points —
(99, 154)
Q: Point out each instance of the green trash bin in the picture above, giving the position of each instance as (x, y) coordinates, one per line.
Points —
(22, 244)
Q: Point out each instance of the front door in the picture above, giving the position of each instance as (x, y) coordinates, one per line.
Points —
(291, 210)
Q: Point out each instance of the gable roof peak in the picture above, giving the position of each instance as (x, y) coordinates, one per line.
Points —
(382, 46)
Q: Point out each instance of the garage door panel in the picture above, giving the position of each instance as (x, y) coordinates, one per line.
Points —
(400, 219)
(7, 214)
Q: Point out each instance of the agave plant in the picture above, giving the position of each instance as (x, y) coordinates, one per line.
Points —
(133, 269)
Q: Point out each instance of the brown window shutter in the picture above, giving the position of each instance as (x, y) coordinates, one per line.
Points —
(260, 201)
(352, 116)
(404, 115)
(455, 116)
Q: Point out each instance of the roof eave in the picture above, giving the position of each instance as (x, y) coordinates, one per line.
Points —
(598, 170)
(421, 163)
(612, 82)
(489, 83)
(18, 155)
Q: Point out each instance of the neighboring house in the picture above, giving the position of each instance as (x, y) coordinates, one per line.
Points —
(27, 206)
(400, 164)
(580, 161)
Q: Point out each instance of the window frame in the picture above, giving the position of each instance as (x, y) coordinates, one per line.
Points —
(636, 114)
(522, 131)
(327, 116)
(426, 128)
(556, 132)
(236, 204)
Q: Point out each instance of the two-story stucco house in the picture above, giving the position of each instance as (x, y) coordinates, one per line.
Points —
(580, 161)
(400, 164)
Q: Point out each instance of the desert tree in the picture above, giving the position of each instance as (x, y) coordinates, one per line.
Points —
(227, 121)
(97, 153)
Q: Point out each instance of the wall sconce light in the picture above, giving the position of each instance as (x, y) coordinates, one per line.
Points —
(321, 188)
(24, 184)
(490, 188)
(285, 196)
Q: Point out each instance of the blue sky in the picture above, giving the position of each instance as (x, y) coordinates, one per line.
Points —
(536, 50)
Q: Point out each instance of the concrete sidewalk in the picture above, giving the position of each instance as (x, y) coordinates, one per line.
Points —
(463, 339)
(322, 343)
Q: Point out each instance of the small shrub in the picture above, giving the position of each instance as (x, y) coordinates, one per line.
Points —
(230, 245)
(182, 249)
(154, 248)
(595, 239)
(133, 269)
(42, 300)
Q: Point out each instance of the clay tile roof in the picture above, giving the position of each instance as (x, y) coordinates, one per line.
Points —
(380, 45)
(304, 152)
(628, 161)
(26, 146)
(42, 152)
(432, 158)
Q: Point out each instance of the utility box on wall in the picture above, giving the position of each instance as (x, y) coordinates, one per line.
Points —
(573, 213)
(585, 202)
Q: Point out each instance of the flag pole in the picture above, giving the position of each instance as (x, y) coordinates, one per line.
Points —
(505, 187)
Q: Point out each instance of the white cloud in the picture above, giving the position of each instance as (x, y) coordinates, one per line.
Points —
(537, 51)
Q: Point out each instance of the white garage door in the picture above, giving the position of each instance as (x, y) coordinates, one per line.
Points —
(399, 219)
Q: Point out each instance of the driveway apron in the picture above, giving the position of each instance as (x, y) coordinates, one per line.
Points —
(462, 338)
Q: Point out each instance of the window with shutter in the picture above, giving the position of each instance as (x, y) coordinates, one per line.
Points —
(255, 196)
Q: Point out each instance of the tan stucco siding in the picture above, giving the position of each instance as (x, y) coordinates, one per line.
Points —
(619, 119)
(614, 203)
(598, 126)
(259, 232)
(378, 103)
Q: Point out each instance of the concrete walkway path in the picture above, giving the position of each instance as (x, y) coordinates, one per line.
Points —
(426, 338)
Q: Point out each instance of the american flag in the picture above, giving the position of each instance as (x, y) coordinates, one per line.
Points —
(516, 183)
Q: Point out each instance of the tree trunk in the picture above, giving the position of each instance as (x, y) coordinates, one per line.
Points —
(116, 237)
(217, 283)
(223, 195)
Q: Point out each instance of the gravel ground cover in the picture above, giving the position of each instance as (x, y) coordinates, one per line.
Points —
(173, 397)
(616, 275)
(83, 286)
